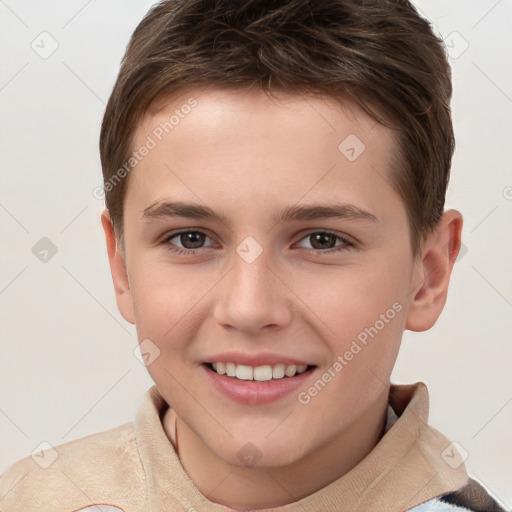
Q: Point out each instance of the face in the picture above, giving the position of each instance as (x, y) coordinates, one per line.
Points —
(264, 231)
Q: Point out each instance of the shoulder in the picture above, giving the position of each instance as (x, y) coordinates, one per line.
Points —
(473, 497)
(76, 474)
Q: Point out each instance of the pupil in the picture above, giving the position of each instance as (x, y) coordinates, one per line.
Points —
(321, 238)
(192, 240)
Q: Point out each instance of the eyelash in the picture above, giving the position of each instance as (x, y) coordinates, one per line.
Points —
(346, 244)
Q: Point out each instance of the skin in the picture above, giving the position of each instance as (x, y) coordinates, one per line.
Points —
(246, 155)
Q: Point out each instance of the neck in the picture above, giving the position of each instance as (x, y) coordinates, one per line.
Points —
(242, 488)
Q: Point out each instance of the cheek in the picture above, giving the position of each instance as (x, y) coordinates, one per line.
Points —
(168, 312)
(351, 298)
(360, 313)
(167, 299)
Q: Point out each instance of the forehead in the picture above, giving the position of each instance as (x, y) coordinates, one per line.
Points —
(307, 112)
(210, 140)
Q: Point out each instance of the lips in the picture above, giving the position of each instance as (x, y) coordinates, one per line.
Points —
(257, 373)
(253, 392)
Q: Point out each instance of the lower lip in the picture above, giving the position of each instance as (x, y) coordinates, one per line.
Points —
(251, 392)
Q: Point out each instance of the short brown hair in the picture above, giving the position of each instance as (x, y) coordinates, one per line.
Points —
(381, 54)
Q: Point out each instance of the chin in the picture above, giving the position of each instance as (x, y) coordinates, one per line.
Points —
(262, 453)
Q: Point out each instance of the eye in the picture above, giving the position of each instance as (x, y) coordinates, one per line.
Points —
(325, 242)
(191, 241)
(186, 241)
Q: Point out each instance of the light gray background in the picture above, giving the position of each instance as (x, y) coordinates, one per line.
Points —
(67, 366)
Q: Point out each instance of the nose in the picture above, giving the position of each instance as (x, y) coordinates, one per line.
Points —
(253, 296)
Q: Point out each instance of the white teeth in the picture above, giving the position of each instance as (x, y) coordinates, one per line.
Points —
(231, 369)
(290, 370)
(258, 373)
(244, 372)
(263, 372)
(278, 371)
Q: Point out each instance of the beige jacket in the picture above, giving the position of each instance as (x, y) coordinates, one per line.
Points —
(135, 468)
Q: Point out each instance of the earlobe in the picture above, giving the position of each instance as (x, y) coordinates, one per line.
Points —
(118, 270)
(433, 271)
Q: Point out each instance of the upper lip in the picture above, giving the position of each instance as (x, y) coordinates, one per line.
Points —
(259, 359)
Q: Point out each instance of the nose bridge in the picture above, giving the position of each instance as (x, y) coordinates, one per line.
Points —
(252, 297)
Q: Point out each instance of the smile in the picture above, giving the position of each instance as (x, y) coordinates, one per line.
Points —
(257, 385)
(257, 373)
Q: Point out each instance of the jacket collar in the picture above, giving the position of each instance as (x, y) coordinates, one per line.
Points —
(411, 463)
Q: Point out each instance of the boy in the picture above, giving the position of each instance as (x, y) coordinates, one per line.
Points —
(275, 175)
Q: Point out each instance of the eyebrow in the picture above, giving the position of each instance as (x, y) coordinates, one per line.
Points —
(291, 213)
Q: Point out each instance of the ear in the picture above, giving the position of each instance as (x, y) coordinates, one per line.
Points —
(118, 270)
(432, 273)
